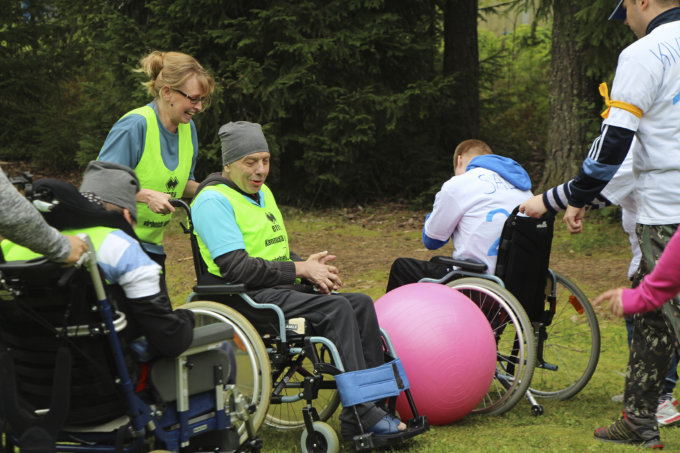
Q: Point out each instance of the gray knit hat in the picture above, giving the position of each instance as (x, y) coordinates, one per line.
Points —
(113, 183)
(239, 139)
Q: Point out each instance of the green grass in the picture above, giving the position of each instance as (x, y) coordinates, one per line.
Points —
(372, 237)
(566, 426)
(602, 233)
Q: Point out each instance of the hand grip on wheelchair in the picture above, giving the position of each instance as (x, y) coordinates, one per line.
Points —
(179, 203)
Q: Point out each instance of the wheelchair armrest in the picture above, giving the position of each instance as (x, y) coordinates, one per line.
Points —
(212, 333)
(227, 288)
(466, 264)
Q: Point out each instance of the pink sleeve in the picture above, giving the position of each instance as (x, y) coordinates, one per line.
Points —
(658, 287)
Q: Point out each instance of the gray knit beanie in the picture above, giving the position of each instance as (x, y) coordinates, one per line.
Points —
(113, 183)
(239, 139)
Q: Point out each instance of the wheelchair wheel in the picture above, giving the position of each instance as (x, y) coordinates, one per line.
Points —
(322, 440)
(516, 347)
(288, 415)
(253, 370)
(569, 347)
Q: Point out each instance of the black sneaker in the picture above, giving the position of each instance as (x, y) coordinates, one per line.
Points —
(624, 431)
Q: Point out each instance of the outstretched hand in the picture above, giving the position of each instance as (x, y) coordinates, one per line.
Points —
(533, 207)
(615, 298)
(315, 269)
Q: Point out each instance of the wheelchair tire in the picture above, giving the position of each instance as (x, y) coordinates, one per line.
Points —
(288, 415)
(322, 440)
(571, 343)
(516, 347)
(253, 370)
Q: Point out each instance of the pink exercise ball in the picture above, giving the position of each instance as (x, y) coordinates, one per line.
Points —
(446, 345)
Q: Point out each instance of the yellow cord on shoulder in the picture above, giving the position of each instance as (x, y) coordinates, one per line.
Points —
(604, 92)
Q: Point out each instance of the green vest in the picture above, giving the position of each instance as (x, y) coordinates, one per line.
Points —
(263, 231)
(154, 175)
(16, 252)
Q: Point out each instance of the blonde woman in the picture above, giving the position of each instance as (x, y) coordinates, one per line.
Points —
(159, 141)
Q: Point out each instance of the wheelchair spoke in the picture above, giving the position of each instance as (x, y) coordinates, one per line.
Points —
(570, 343)
(514, 341)
(285, 412)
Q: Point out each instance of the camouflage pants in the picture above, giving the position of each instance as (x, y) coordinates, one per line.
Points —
(655, 336)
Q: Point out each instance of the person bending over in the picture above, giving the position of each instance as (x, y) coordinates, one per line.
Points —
(470, 209)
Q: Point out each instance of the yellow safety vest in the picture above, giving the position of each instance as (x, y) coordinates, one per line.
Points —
(263, 230)
(16, 252)
(154, 175)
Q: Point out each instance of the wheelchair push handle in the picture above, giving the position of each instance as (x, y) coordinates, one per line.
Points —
(89, 259)
(178, 203)
(23, 182)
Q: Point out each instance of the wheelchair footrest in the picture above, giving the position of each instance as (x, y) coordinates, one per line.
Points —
(369, 441)
(372, 384)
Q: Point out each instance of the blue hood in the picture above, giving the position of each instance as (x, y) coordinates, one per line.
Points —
(510, 170)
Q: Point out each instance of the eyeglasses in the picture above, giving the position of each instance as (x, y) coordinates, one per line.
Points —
(193, 99)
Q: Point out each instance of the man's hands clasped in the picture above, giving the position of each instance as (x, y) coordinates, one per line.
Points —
(315, 269)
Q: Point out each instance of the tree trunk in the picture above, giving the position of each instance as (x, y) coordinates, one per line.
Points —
(461, 57)
(569, 96)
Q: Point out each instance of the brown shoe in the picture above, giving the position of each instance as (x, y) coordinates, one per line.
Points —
(624, 431)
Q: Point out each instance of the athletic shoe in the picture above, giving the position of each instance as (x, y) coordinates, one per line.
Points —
(666, 413)
(624, 431)
(618, 398)
(385, 426)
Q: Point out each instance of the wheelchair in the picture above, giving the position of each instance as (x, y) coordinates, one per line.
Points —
(68, 367)
(67, 380)
(546, 331)
(291, 376)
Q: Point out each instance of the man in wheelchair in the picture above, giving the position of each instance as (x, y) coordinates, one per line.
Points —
(470, 209)
(242, 238)
(150, 331)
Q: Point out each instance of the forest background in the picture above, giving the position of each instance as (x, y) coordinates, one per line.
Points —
(361, 100)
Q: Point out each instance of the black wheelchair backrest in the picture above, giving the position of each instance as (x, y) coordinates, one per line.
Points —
(523, 259)
(41, 313)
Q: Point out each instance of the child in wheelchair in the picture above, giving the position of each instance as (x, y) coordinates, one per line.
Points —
(108, 198)
(112, 187)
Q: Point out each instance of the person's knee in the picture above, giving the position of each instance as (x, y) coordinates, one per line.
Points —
(399, 264)
(363, 300)
(360, 304)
